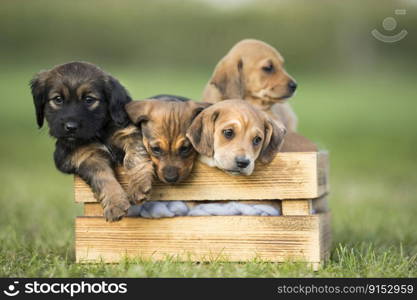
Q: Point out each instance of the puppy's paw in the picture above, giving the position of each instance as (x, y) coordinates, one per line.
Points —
(136, 197)
(146, 188)
(139, 192)
(116, 210)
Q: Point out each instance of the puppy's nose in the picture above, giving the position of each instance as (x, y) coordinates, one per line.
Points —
(171, 174)
(71, 126)
(292, 86)
(242, 162)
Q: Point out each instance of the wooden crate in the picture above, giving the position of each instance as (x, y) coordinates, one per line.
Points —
(296, 181)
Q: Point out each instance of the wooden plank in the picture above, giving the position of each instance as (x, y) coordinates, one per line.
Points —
(232, 238)
(304, 207)
(296, 207)
(92, 210)
(323, 172)
(294, 142)
(325, 236)
(95, 209)
(292, 175)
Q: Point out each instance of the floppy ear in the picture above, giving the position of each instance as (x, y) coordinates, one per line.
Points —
(274, 137)
(201, 132)
(39, 94)
(228, 78)
(198, 107)
(117, 97)
(138, 111)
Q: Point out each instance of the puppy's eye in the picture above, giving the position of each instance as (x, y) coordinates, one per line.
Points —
(228, 133)
(256, 140)
(185, 149)
(268, 69)
(157, 150)
(89, 100)
(58, 100)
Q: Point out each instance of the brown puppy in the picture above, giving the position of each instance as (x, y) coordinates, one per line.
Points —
(164, 121)
(254, 71)
(233, 134)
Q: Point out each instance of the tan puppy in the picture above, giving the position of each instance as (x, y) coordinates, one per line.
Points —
(233, 134)
(164, 121)
(254, 71)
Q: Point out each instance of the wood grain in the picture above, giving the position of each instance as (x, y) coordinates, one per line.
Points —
(323, 172)
(232, 238)
(92, 210)
(292, 175)
(325, 236)
(296, 207)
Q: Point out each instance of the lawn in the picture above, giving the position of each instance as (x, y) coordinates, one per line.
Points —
(367, 122)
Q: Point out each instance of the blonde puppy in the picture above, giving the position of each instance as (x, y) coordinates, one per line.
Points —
(254, 71)
(231, 135)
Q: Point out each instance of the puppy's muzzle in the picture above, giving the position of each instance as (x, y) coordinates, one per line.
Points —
(171, 174)
(242, 162)
(71, 126)
(292, 86)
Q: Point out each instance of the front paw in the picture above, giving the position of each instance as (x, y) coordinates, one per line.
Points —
(116, 210)
(138, 192)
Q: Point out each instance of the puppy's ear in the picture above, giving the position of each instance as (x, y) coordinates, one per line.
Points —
(39, 94)
(201, 132)
(117, 97)
(198, 107)
(228, 78)
(274, 137)
(138, 111)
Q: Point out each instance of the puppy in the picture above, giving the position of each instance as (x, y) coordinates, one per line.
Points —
(254, 71)
(163, 121)
(84, 108)
(232, 134)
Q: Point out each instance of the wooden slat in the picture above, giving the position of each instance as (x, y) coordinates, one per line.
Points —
(292, 175)
(322, 172)
(235, 238)
(93, 210)
(304, 207)
(294, 142)
(296, 207)
(325, 236)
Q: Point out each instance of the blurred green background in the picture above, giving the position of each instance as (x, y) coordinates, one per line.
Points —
(356, 98)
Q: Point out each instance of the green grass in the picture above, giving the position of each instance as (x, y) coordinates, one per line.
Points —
(367, 122)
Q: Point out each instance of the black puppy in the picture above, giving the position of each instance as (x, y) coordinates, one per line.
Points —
(84, 108)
